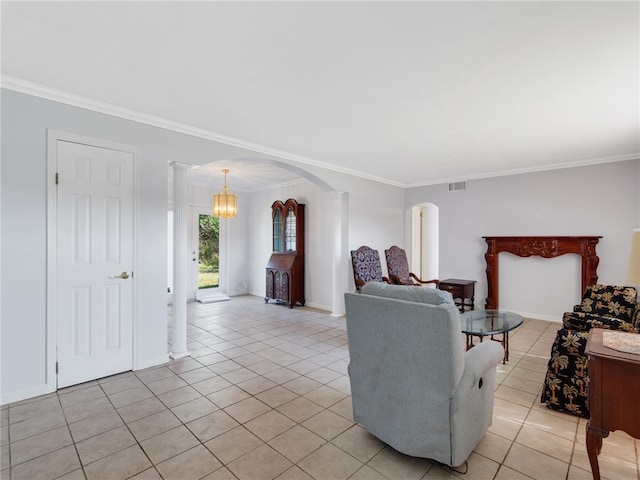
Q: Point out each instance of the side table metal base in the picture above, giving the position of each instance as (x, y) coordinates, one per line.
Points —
(504, 341)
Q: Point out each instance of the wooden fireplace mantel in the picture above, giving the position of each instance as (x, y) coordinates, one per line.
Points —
(542, 246)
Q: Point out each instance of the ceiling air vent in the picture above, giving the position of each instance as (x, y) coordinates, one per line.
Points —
(457, 186)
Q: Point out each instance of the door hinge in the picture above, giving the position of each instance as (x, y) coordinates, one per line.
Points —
(57, 178)
(56, 367)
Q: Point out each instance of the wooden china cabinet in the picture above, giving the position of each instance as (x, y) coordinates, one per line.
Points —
(285, 270)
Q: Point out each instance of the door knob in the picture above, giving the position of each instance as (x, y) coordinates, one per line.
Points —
(123, 275)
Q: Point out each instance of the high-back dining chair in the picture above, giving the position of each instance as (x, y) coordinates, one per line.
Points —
(366, 266)
(398, 268)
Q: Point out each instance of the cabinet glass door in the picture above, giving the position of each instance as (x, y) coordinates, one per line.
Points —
(277, 232)
(290, 230)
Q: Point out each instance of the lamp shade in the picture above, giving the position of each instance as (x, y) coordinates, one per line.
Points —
(225, 203)
(633, 275)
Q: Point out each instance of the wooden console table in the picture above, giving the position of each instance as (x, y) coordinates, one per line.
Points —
(614, 389)
(546, 247)
(462, 289)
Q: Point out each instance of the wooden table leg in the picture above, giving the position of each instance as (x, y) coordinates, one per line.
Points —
(594, 445)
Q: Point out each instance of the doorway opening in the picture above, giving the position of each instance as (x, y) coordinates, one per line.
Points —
(425, 238)
(208, 251)
(205, 253)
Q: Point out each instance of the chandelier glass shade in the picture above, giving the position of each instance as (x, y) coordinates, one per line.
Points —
(225, 203)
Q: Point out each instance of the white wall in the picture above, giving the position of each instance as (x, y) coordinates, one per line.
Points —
(374, 218)
(25, 120)
(317, 269)
(235, 237)
(592, 200)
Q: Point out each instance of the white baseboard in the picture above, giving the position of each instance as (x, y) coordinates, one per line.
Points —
(25, 394)
(243, 292)
(319, 306)
(43, 389)
(539, 316)
(151, 362)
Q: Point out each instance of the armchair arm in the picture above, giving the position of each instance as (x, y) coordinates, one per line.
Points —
(415, 277)
(586, 321)
(477, 362)
(575, 321)
(396, 280)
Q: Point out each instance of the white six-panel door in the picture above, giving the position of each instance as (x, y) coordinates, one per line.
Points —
(94, 285)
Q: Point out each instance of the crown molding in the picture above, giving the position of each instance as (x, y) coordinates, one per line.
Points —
(48, 93)
(521, 171)
(37, 90)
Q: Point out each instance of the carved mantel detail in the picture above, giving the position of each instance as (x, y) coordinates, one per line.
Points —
(546, 248)
(542, 246)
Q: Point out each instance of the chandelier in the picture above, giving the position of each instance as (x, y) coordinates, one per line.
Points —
(224, 203)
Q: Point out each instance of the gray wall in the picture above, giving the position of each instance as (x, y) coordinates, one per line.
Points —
(596, 200)
(25, 121)
(374, 219)
(591, 200)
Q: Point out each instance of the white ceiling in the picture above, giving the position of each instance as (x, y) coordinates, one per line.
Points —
(409, 93)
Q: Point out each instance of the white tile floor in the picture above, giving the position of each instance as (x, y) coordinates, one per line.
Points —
(265, 395)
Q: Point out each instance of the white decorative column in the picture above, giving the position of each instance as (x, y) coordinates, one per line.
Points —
(339, 235)
(223, 255)
(180, 267)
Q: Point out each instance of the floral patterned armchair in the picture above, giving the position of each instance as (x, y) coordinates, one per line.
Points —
(366, 266)
(398, 268)
(566, 383)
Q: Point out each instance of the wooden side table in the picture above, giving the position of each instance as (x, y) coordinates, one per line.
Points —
(464, 290)
(614, 389)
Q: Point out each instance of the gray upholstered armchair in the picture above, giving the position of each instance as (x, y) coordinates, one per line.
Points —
(413, 385)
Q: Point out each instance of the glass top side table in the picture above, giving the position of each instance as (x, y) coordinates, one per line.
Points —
(488, 323)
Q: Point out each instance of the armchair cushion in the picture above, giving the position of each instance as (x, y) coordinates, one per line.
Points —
(611, 300)
(431, 296)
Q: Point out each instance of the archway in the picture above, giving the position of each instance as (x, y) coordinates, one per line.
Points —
(317, 181)
(336, 212)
